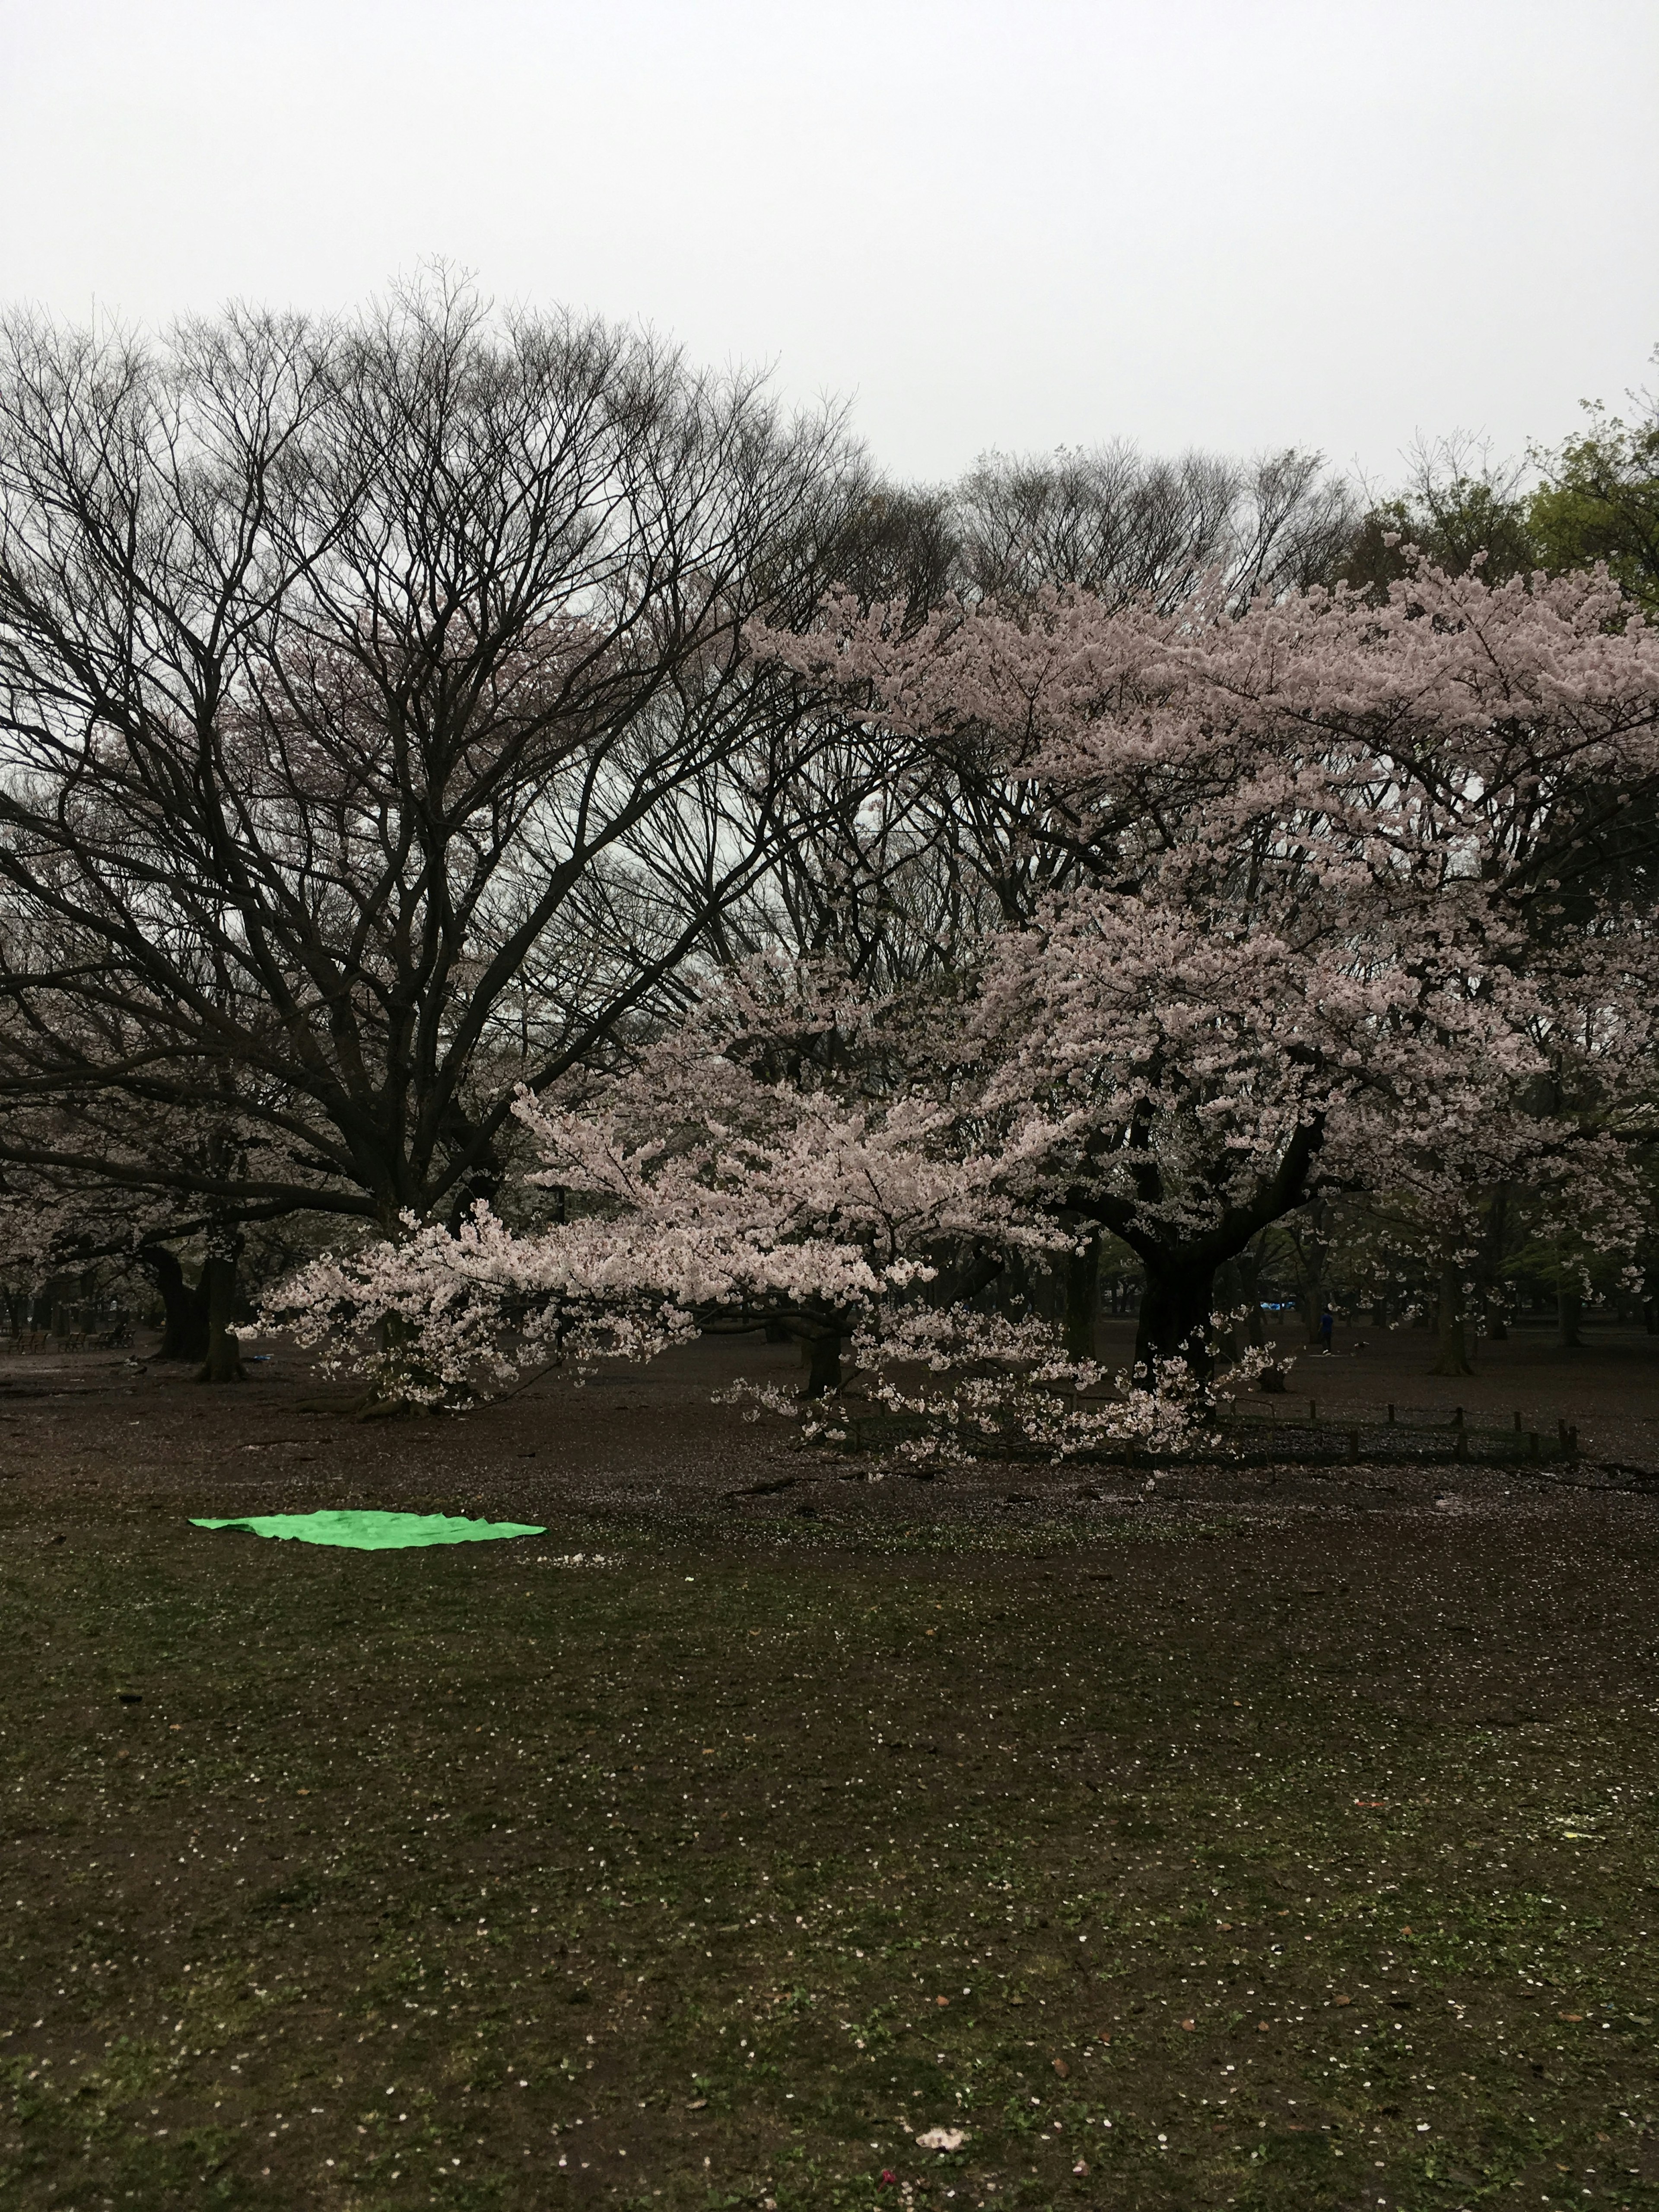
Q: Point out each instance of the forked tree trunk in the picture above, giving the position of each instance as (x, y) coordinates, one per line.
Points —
(184, 1309)
(1454, 1356)
(1180, 1300)
(399, 1368)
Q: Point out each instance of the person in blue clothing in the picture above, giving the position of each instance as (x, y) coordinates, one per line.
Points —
(1327, 1328)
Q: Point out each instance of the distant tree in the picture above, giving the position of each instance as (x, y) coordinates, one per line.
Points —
(105, 1183)
(1122, 526)
(1599, 500)
(1459, 510)
(899, 545)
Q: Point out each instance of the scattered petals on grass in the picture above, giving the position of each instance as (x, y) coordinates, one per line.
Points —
(659, 1895)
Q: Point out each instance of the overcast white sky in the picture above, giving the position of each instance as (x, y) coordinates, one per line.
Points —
(1235, 224)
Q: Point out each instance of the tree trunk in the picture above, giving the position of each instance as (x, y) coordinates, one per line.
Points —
(1248, 1264)
(1230, 1297)
(224, 1363)
(1238, 1288)
(1175, 1315)
(399, 1369)
(1309, 1254)
(1569, 1315)
(185, 1310)
(1082, 1298)
(1454, 1357)
(1493, 1241)
(823, 1357)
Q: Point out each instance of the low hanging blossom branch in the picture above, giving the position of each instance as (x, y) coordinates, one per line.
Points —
(967, 1385)
(434, 1319)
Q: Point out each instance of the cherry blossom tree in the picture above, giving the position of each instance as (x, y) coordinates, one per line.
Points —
(768, 1162)
(1322, 931)
(1340, 892)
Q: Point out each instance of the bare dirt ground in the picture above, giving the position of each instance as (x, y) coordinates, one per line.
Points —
(784, 1831)
(649, 1440)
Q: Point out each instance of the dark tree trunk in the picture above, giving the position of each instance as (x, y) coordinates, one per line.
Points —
(1230, 1297)
(1179, 1299)
(1237, 1287)
(822, 1356)
(1175, 1314)
(184, 1309)
(1249, 1265)
(1569, 1315)
(1454, 1356)
(1082, 1298)
(224, 1362)
(1309, 1254)
(1493, 1245)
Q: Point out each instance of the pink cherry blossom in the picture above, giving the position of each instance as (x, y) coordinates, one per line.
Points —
(1325, 918)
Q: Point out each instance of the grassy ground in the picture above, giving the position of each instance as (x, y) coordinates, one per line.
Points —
(1198, 1858)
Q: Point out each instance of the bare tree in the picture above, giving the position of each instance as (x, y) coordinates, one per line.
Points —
(356, 681)
(1123, 527)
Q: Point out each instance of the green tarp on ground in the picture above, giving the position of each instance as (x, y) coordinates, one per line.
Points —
(374, 1532)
